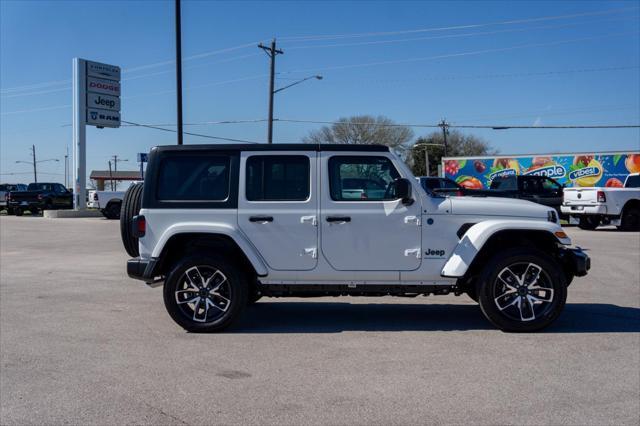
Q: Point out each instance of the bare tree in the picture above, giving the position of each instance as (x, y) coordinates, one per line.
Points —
(458, 145)
(363, 129)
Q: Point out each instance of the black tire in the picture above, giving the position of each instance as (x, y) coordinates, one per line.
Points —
(589, 223)
(131, 204)
(472, 292)
(218, 314)
(113, 210)
(34, 211)
(522, 307)
(630, 220)
(18, 211)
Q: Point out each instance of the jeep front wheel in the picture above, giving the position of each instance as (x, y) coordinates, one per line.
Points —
(522, 290)
(205, 293)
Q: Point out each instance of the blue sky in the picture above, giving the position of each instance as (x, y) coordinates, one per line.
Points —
(515, 63)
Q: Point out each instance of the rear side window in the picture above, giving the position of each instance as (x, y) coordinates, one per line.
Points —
(504, 183)
(193, 178)
(365, 178)
(278, 178)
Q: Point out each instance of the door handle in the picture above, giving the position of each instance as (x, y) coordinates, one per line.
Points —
(261, 219)
(309, 219)
(338, 219)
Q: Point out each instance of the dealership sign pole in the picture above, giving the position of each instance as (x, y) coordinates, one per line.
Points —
(96, 102)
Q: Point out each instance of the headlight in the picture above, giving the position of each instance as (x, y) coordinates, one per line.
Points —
(552, 216)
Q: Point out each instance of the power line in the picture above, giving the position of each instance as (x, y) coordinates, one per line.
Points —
(460, 54)
(129, 70)
(188, 133)
(466, 126)
(458, 27)
(473, 34)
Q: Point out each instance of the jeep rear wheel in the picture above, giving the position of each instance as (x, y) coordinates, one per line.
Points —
(522, 290)
(130, 207)
(205, 293)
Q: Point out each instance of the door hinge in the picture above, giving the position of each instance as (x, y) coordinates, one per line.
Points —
(309, 219)
(313, 252)
(412, 252)
(412, 219)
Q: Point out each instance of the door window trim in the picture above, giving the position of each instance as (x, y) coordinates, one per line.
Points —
(279, 156)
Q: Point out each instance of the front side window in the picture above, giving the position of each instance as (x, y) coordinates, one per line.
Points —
(278, 178)
(194, 178)
(353, 178)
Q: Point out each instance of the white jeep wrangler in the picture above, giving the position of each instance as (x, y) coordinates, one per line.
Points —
(223, 225)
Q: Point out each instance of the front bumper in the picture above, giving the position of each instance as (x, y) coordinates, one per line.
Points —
(576, 261)
(143, 269)
(583, 209)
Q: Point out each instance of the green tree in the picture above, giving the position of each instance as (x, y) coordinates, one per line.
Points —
(458, 145)
(364, 129)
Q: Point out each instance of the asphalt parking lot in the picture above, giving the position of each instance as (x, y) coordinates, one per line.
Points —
(80, 343)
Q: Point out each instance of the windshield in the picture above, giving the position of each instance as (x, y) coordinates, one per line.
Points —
(632, 182)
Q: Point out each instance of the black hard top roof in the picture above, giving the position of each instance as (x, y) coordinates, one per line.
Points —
(275, 147)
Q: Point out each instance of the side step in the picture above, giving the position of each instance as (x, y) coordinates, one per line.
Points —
(319, 290)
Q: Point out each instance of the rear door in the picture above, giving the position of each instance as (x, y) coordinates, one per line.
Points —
(278, 207)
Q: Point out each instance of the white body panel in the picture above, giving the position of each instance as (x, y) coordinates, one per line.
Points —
(386, 242)
(380, 236)
(473, 240)
(584, 201)
(290, 241)
(103, 198)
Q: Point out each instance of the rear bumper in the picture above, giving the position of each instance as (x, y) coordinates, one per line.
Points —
(576, 261)
(583, 209)
(143, 269)
(26, 204)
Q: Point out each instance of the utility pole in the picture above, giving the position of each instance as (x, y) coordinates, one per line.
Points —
(110, 175)
(34, 162)
(272, 52)
(35, 171)
(66, 167)
(115, 169)
(445, 131)
(179, 70)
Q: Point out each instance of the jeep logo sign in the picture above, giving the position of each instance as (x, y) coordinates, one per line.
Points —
(95, 100)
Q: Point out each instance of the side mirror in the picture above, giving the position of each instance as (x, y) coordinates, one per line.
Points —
(402, 190)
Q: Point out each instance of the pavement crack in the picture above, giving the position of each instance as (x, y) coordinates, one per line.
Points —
(164, 413)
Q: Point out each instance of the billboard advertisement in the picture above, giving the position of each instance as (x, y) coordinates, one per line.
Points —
(576, 169)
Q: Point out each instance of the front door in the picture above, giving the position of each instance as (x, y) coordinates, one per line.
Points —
(363, 226)
(278, 207)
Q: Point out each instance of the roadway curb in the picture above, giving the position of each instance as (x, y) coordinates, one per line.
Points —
(68, 214)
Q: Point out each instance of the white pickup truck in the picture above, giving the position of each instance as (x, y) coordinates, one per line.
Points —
(108, 202)
(592, 207)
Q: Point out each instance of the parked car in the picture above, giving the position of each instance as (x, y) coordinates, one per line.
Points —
(591, 207)
(5, 188)
(220, 226)
(38, 197)
(108, 202)
(440, 185)
(539, 189)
